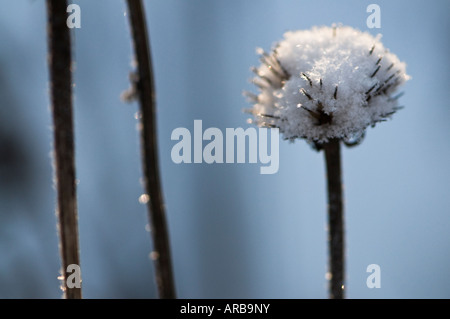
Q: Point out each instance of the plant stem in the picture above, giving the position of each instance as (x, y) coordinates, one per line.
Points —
(60, 60)
(147, 101)
(335, 219)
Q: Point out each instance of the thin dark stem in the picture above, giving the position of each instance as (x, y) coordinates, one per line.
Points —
(60, 60)
(336, 238)
(146, 93)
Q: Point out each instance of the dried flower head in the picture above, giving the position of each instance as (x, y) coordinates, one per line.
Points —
(326, 83)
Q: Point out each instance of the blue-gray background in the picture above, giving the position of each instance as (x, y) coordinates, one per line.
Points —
(234, 233)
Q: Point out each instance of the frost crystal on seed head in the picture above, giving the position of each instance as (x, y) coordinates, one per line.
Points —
(326, 83)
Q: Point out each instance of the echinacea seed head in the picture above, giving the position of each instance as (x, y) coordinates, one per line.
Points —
(326, 83)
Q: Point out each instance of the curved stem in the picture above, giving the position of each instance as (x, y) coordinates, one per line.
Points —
(147, 101)
(336, 238)
(60, 60)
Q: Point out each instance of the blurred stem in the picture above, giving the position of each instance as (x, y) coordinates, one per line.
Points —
(60, 60)
(147, 101)
(335, 219)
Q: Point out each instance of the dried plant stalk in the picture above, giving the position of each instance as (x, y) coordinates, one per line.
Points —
(335, 219)
(147, 101)
(60, 60)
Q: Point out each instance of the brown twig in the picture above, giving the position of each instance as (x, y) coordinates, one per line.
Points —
(147, 101)
(60, 60)
(335, 219)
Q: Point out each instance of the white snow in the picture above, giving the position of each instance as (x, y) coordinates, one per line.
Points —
(327, 82)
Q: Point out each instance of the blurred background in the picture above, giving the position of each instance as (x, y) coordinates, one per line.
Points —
(234, 233)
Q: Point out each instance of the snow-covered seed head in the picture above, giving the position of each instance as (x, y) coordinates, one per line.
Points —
(326, 83)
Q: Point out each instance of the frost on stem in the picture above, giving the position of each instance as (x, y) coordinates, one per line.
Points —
(131, 94)
(326, 83)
